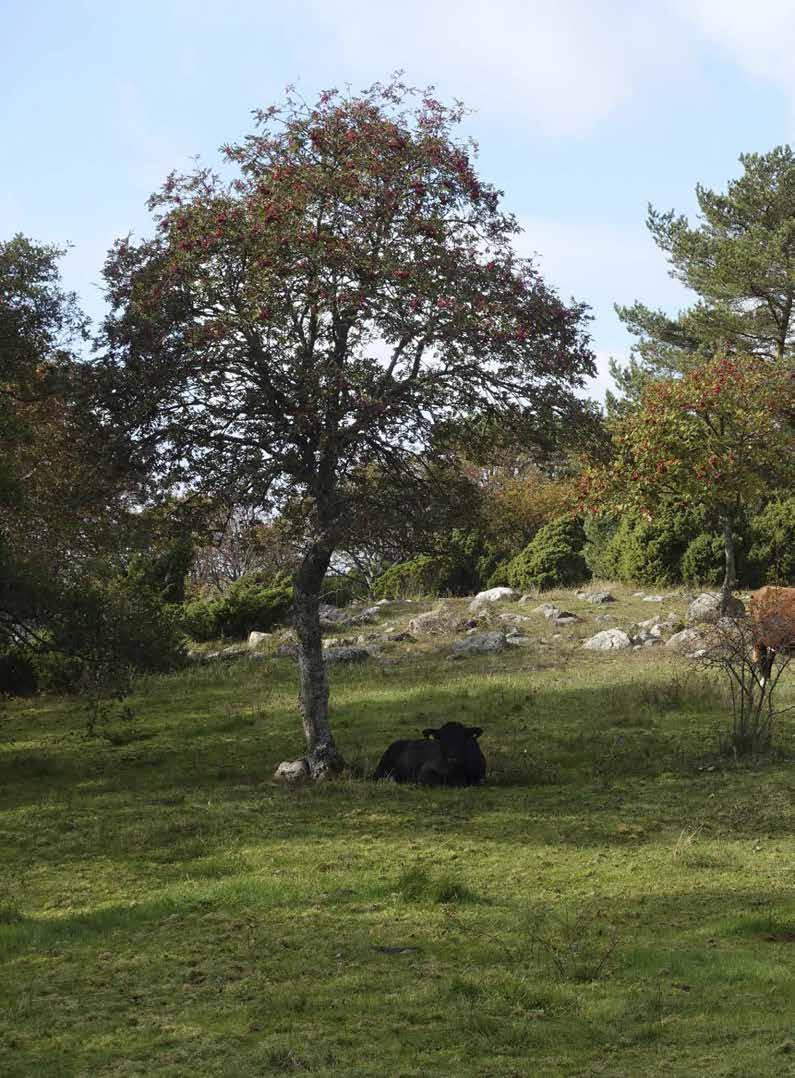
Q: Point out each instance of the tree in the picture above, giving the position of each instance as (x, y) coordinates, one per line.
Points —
(739, 260)
(66, 530)
(718, 438)
(296, 337)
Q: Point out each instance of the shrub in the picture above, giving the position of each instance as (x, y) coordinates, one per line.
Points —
(164, 573)
(17, 672)
(704, 561)
(771, 553)
(57, 672)
(647, 552)
(422, 575)
(456, 572)
(599, 553)
(247, 604)
(340, 589)
(553, 558)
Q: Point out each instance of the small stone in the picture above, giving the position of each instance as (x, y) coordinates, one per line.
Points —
(292, 771)
(255, 637)
(564, 618)
(549, 610)
(597, 597)
(346, 655)
(685, 641)
(653, 598)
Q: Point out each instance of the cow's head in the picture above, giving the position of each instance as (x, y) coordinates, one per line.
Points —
(453, 739)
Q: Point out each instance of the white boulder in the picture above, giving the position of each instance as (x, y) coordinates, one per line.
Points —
(705, 609)
(608, 640)
(493, 595)
(292, 771)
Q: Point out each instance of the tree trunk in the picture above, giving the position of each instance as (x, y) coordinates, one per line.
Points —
(729, 576)
(321, 752)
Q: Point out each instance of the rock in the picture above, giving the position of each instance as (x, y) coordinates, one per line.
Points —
(705, 609)
(514, 619)
(479, 644)
(597, 596)
(685, 641)
(549, 610)
(330, 615)
(346, 655)
(515, 640)
(493, 595)
(608, 640)
(292, 771)
(603, 617)
(235, 651)
(527, 599)
(651, 642)
(653, 598)
(637, 594)
(287, 651)
(255, 637)
(564, 618)
(440, 620)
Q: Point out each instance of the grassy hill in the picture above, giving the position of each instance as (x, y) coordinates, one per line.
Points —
(617, 900)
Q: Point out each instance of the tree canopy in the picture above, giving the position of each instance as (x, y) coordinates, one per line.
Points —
(302, 334)
(719, 437)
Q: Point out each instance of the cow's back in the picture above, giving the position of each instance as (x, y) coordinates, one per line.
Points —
(409, 761)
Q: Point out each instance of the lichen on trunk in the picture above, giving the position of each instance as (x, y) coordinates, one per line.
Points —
(313, 694)
(730, 573)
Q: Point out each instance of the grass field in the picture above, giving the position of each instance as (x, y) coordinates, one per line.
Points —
(617, 900)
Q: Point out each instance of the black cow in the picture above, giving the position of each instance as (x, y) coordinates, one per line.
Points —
(449, 756)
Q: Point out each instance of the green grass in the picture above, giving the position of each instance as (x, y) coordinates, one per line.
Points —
(617, 900)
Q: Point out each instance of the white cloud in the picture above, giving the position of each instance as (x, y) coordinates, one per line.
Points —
(559, 68)
(759, 37)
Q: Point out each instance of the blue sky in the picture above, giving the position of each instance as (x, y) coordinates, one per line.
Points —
(585, 110)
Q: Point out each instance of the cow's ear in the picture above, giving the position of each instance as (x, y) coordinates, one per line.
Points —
(474, 731)
(428, 732)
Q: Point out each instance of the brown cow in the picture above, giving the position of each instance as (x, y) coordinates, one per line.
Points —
(772, 612)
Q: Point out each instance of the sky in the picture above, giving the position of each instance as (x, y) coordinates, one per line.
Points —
(585, 112)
